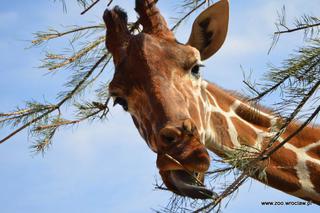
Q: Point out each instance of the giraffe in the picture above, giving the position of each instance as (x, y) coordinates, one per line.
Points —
(181, 116)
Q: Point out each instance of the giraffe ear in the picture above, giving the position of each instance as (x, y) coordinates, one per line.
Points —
(210, 29)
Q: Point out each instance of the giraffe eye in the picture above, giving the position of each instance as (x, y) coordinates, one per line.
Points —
(195, 71)
(122, 102)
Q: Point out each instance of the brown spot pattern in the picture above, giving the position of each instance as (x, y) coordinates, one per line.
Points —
(314, 152)
(219, 123)
(307, 136)
(281, 173)
(223, 99)
(314, 172)
(246, 134)
(252, 116)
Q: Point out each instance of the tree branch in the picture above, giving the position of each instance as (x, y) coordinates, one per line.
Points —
(67, 97)
(90, 6)
(45, 36)
(188, 14)
(297, 29)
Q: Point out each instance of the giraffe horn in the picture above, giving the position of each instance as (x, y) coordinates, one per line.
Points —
(151, 19)
(118, 35)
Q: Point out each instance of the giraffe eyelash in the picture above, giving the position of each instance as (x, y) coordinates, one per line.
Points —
(195, 70)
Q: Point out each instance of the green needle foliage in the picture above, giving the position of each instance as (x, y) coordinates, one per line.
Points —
(310, 25)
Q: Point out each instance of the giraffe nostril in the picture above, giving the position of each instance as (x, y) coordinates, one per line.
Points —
(170, 134)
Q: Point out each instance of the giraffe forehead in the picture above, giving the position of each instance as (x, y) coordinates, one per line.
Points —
(158, 52)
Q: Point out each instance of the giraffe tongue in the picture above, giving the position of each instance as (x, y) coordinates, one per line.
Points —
(186, 186)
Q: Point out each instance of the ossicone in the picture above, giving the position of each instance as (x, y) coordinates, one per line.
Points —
(151, 19)
(118, 35)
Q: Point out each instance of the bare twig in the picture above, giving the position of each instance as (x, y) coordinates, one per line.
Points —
(220, 170)
(187, 15)
(252, 88)
(297, 29)
(229, 190)
(110, 2)
(90, 6)
(93, 4)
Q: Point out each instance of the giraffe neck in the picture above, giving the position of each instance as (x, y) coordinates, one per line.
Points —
(230, 125)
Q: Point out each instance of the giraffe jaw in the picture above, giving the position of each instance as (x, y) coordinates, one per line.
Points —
(187, 186)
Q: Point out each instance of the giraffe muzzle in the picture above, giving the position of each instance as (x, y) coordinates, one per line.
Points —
(183, 160)
(180, 147)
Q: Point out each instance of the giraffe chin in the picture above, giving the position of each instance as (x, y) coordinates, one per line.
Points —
(186, 185)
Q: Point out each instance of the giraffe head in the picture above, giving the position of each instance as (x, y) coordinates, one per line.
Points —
(157, 81)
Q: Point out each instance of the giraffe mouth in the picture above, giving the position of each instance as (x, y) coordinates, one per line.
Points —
(188, 185)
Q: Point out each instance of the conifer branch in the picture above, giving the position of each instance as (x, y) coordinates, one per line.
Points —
(58, 105)
(52, 65)
(41, 36)
(269, 151)
(302, 27)
(310, 25)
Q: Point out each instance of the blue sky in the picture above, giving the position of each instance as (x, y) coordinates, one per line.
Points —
(106, 167)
